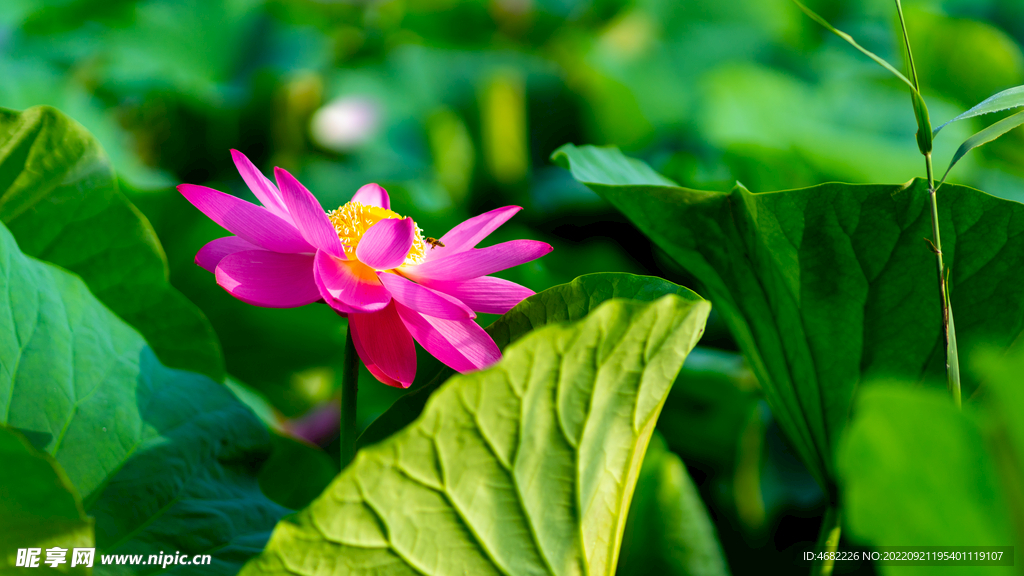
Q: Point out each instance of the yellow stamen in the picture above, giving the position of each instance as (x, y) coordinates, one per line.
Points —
(352, 220)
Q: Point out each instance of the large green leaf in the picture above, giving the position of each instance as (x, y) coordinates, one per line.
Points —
(59, 198)
(39, 507)
(524, 468)
(668, 531)
(563, 303)
(164, 459)
(915, 472)
(826, 286)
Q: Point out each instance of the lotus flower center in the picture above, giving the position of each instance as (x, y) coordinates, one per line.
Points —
(352, 220)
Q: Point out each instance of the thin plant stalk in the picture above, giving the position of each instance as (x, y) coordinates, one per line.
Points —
(924, 143)
(349, 391)
(924, 133)
(948, 330)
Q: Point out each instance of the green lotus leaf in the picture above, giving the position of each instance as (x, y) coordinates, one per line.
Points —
(39, 508)
(527, 467)
(563, 303)
(915, 471)
(165, 460)
(59, 197)
(829, 286)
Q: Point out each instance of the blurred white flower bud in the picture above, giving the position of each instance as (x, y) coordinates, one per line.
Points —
(345, 123)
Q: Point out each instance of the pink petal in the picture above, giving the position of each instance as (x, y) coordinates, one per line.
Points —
(386, 244)
(372, 195)
(384, 378)
(249, 221)
(263, 188)
(478, 262)
(485, 294)
(470, 232)
(269, 279)
(309, 216)
(215, 250)
(384, 338)
(460, 344)
(349, 286)
(368, 362)
(424, 300)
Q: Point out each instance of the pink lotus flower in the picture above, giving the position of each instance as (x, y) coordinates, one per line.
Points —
(369, 264)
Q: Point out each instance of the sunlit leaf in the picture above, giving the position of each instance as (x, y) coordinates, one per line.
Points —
(163, 459)
(59, 197)
(562, 303)
(524, 468)
(825, 286)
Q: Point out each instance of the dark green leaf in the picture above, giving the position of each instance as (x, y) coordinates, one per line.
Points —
(39, 507)
(524, 468)
(709, 408)
(562, 303)
(915, 472)
(164, 459)
(296, 472)
(668, 531)
(59, 198)
(823, 287)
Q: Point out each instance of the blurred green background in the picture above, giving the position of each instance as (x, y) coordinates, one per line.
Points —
(455, 106)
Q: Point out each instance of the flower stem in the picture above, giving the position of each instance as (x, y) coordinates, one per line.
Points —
(828, 541)
(349, 391)
(948, 330)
